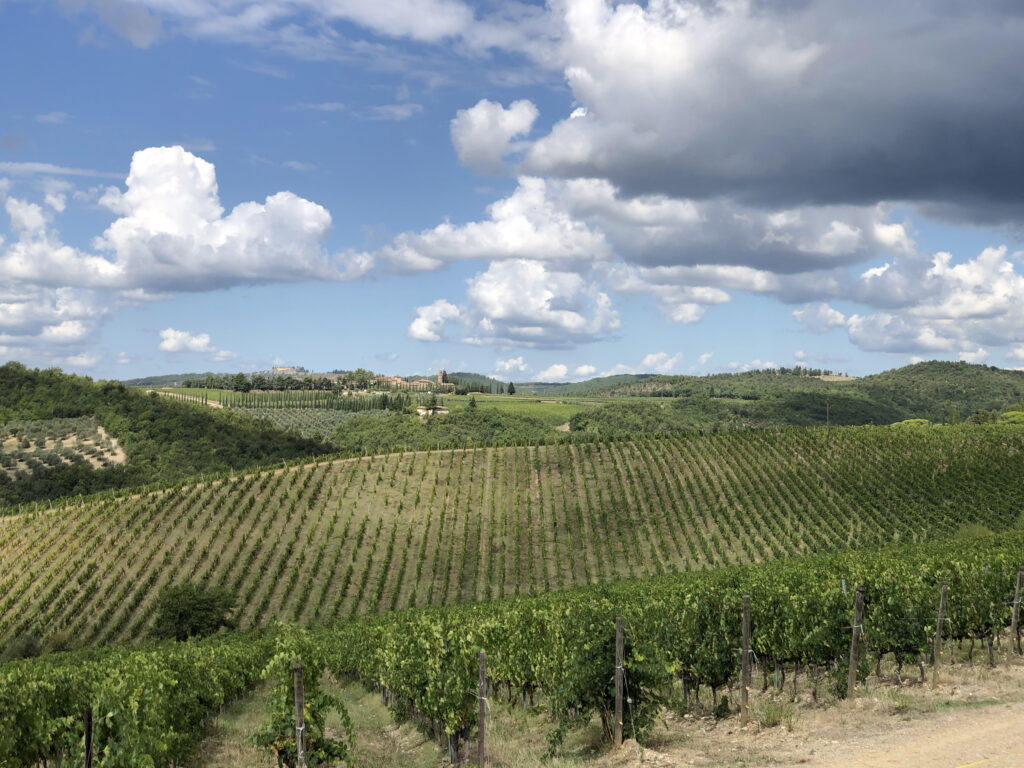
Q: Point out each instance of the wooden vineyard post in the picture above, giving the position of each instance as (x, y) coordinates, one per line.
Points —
(745, 674)
(300, 718)
(88, 737)
(481, 695)
(858, 618)
(620, 651)
(937, 647)
(1015, 621)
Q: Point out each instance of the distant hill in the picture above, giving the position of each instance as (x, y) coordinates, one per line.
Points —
(937, 391)
(602, 385)
(917, 386)
(163, 440)
(929, 390)
(168, 380)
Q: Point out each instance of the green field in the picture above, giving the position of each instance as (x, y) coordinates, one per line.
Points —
(553, 412)
(349, 537)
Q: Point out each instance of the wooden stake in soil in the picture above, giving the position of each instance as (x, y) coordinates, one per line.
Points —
(745, 675)
(620, 651)
(937, 646)
(481, 695)
(1014, 623)
(300, 718)
(88, 737)
(858, 618)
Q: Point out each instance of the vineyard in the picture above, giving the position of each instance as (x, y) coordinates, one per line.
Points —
(322, 413)
(308, 422)
(344, 538)
(320, 400)
(683, 628)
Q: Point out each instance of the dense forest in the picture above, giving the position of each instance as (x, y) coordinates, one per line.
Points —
(164, 440)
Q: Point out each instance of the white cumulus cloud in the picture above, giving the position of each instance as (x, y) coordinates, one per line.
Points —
(820, 318)
(525, 225)
(524, 303)
(430, 320)
(511, 365)
(483, 134)
(82, 360)
(556, 372)
(173, 340)
(173, 233)
(661, 362)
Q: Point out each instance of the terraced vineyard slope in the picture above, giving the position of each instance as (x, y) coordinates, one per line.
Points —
(348, 537)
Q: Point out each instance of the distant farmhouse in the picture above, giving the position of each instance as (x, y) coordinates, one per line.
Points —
(419, 385)
(287, 370)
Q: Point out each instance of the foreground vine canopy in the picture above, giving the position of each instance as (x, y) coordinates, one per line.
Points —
(150, 703)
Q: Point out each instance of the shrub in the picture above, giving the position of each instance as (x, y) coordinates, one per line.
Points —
(192, 610)
(24, 646)
(770, 712)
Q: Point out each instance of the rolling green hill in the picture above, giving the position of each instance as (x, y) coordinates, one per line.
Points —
(937, 391)
(601, 385)
(166, 380)
(348, 537)
(163, 440)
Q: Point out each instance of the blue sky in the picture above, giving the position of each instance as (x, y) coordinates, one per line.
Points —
(534, 191)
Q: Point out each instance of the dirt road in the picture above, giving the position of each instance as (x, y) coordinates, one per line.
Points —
(977, 735)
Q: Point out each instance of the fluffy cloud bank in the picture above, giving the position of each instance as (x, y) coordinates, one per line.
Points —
(430, 320)
(689, 255)
(523, 303)
(525, 225)
(931, 305)
(711, 147)
(171, 234)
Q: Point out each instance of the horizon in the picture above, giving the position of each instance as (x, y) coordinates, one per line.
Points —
(337, 371)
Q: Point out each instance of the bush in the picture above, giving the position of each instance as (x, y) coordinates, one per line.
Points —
(24, 646)
(770, 712)
(192, 610)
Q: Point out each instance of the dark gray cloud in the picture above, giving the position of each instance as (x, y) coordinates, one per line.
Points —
(817, 103)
